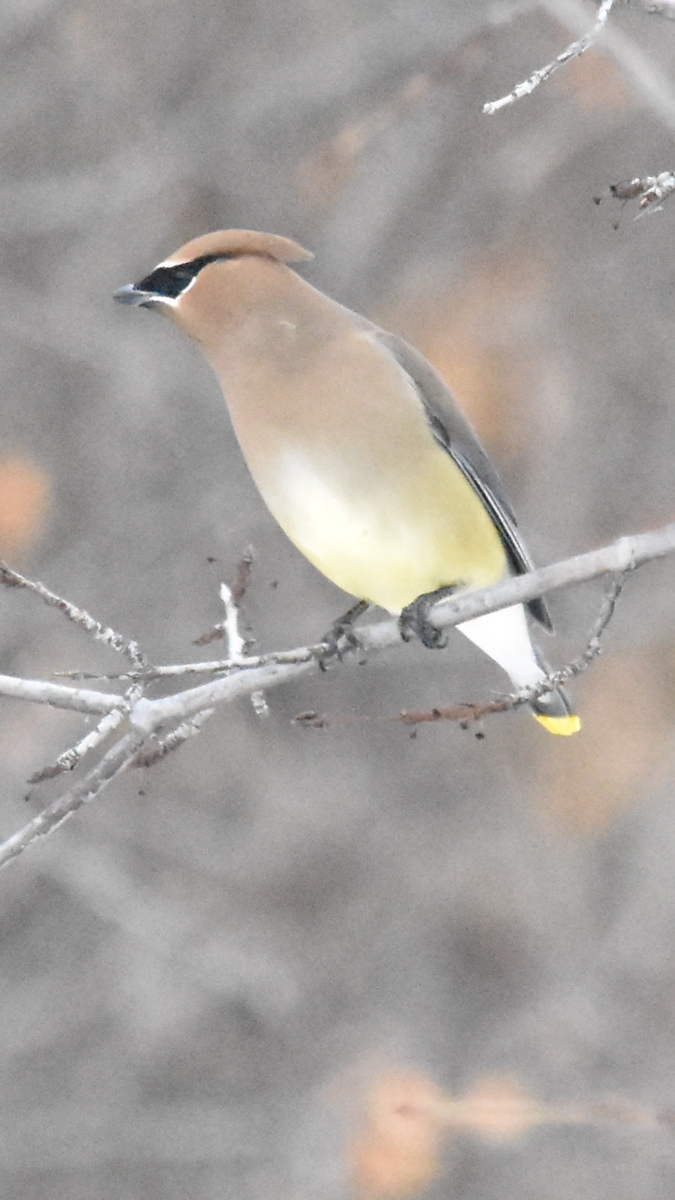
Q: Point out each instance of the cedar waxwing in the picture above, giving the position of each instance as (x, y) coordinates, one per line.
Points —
(354, 441)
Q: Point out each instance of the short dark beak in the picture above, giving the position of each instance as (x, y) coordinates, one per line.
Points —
(130, 294)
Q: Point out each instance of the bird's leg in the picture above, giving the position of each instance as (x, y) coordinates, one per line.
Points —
(414, 619)
(343, 628)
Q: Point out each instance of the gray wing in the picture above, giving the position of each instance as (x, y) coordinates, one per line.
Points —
(453, 432)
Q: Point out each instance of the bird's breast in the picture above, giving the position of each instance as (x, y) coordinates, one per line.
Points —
(341, 451)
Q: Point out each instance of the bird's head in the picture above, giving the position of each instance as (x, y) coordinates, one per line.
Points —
(202, 281)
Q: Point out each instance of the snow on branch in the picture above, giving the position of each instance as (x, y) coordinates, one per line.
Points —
(154, 727)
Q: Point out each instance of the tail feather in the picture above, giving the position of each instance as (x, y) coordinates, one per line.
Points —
(504, 636)
(554, 711)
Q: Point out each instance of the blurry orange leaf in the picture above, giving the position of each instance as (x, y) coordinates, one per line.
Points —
(498, 1109)
(596, 83)
(627, 707)
(396, 1153)
(482, 335)
(323, 174)
(24, 498)
(326, 171)
(405, 1118)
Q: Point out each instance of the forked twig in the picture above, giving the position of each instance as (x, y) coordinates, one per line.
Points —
(160, 725)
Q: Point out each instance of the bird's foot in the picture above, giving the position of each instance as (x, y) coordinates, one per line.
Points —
(415, 621)
(341, 636)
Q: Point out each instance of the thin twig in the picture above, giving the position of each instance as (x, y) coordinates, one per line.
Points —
(650, 192)
(574, 50)
(219, 666)
(237, 644)
(148, 755)
(59, 696)
(650, 82)
(187, 709)
(553, 679)
(620, 556)
(232, 598)
(594, 644)
(74, 754)
(69, 759)
(79, 616)
(118, 758)
(243, 577)
(464, 714)
(270, 670)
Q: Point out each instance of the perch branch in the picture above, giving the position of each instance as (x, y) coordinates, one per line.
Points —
(465, 714)
(187, 710)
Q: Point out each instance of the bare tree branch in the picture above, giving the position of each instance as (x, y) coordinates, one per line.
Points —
(74, 754)
(241, 676)
(650, 192)
(79, 616)
(574, 50)
(465, 714)
(118, 758)
(58, 695)
(650, 82)
(150, 754)
(644, 75)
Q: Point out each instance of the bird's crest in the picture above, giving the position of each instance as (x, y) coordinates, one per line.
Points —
(233, 242)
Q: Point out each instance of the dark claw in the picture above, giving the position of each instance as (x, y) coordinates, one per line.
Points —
(414, 619)
(341, 635)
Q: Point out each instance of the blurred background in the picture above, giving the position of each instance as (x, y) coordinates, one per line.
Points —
(262, 968)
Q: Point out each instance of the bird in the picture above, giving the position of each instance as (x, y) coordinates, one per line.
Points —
(356, 445)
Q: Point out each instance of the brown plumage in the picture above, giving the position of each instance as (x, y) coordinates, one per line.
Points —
(353, 440)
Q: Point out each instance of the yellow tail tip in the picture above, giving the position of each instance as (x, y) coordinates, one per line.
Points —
(562, 726)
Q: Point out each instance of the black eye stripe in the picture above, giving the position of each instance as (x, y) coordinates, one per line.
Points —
(172, 281)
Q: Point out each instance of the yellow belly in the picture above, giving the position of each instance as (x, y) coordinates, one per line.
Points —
(383, 538)
(343, 455)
